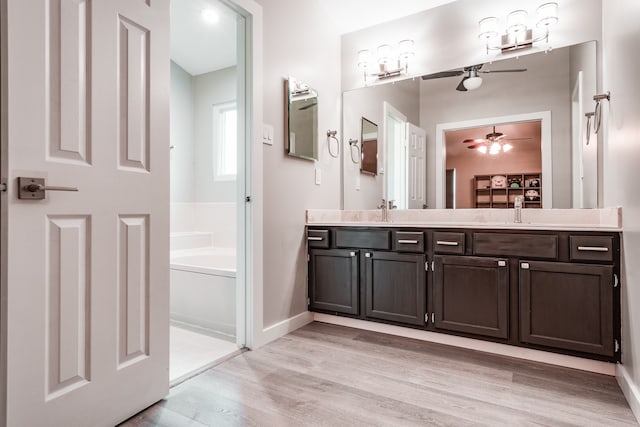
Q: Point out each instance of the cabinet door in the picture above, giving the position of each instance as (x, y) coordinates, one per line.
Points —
(333, 280)
(395, 287)
(471, 294)
(568, 306)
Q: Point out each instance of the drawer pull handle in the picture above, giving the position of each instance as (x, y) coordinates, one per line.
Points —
(315, 238)
(352, 254)
(502, 263)
(593, 249)
(446, 243)
(411, 242)
(524, 265)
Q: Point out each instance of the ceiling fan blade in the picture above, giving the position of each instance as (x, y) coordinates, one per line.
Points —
(461, 87)
(515, 70)
(442, 74)
(474, 146)
(475, 140)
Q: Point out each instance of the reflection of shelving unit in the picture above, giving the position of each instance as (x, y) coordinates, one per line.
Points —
(488, 196)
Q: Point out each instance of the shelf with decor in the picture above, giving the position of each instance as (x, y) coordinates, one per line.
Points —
(500, 190)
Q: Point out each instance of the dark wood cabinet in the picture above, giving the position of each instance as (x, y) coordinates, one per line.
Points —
(568, 306)
(395, 287)
(471, 295)
(333, 280)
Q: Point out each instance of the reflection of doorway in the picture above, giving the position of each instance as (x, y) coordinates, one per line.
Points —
(543, 117)
(469, 153)
(395, 125)
(451, 189)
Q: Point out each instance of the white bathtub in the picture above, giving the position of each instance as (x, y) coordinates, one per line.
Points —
(203, 289)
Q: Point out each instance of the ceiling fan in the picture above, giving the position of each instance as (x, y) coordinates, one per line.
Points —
(471, 79)
(493, 142)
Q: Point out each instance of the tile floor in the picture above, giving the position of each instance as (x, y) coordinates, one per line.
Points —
(192, 353)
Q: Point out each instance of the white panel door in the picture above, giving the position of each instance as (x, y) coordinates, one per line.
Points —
(87, 295)
(417, 161)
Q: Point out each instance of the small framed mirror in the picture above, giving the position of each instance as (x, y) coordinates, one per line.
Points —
(301, 116)
(369, 147)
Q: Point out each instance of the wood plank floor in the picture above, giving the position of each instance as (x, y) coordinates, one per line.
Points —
(327, 375)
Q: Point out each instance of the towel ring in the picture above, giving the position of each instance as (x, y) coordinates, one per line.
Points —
(331, 135)
(353, 143)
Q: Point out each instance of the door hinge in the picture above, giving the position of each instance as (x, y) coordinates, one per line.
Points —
(616, 346)
(247, 199)
(616, 281)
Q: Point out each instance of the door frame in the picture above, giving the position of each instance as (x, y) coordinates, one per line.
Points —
(545, 144)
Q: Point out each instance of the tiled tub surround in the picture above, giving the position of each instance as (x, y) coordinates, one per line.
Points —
(607, 219)
(216, 219)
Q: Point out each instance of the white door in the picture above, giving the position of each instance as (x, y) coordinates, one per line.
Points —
(417, 153)
(87, 279)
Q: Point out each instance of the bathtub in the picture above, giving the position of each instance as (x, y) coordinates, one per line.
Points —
(203, 289)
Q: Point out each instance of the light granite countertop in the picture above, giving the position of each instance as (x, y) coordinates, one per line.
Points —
(607, 219)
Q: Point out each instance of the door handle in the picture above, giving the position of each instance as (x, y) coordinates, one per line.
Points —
(34, 188)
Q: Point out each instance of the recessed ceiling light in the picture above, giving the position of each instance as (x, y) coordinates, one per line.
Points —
(210, 16)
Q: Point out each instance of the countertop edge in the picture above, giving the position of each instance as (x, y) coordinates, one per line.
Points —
(485, 226)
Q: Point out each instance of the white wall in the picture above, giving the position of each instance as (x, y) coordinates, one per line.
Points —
(298, 41)
(368, 103)
(182, 136)
(621, 118)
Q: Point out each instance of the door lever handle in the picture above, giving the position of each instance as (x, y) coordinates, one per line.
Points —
(34, 188)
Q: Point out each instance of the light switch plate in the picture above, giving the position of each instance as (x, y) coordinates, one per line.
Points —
(267, 134)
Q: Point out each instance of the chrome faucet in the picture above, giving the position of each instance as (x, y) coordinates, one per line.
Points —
(517, 209)
(383, 206)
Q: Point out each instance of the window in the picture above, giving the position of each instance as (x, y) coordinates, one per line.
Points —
(225, 140)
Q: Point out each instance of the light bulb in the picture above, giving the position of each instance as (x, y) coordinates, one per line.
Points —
(507, 147)
(209, 15)
(472, 83)
(495, 148)
(483, 149)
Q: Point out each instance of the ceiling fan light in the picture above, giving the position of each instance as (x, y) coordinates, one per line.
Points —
(495, 148)
(483, 149)
(472, 83)
(507, 147)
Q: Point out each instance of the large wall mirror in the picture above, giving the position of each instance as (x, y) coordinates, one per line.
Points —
(301, 115)
(540, 112)
(369, 147)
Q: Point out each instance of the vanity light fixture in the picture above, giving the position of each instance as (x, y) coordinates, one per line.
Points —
(517, 35)
(387, 63)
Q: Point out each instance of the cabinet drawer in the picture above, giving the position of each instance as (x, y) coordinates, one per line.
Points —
(448, 243)
(367, 239)
(318, 238)
(516, 245)
(408, 241)
(591, 248)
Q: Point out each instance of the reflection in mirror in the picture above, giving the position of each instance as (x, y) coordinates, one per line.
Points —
(301, 115)
(369, 147)
(557, 84)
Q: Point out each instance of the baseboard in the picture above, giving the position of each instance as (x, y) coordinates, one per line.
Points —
(282, 328)
(605, 368)
(629, 389)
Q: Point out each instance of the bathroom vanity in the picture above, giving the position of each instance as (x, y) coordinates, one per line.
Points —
(545, 286)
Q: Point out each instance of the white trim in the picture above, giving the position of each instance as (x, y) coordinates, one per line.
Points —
(577, 138)
(388, 111)
(545, 142)
(629, 389)
(283, 327)
(472, 344)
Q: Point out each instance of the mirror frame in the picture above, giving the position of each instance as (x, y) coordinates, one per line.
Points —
(363, 148)
(290, 85)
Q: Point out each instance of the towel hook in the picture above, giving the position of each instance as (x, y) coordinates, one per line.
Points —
(597, 113)
(331, 134)
(353, 143)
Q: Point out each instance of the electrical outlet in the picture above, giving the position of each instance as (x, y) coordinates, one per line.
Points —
(318, 176)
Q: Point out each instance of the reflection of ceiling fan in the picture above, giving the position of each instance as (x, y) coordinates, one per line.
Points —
(471, 79)
(493, 143)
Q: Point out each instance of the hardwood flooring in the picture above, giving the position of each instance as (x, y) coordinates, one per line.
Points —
(327, 375)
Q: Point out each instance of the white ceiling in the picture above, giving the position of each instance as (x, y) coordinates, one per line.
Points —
(197, 46)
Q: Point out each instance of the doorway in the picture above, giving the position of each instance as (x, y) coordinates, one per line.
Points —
(207, 122)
